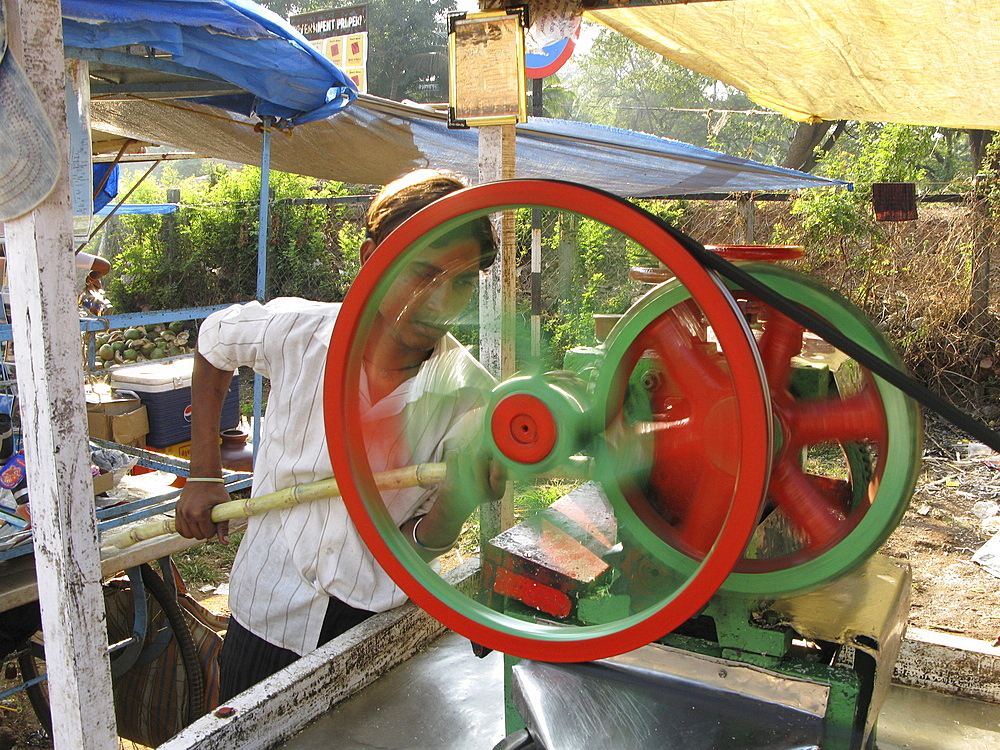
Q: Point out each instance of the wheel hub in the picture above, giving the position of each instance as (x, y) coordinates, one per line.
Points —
(523, 428)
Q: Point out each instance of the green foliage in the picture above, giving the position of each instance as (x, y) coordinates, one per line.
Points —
(408, 49)
(407, 44)
(838, 225)
(558, 99)
(988, 179)
(206, 253)
(622, 84)
(585, 272)
(530, 498)
(671, 211)
(881, 153)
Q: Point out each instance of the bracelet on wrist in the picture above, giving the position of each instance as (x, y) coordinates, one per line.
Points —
(217, 480)
(420, 545)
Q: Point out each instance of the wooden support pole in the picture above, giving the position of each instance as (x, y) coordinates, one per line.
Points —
(497, 295)
(263, 218)
(745, 205)
(40, 263)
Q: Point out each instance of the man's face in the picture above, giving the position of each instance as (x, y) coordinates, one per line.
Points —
(431, 293)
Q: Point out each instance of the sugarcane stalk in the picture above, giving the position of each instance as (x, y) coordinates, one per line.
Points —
(418, 475)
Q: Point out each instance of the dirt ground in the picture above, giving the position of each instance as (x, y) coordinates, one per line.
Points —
(940, 533)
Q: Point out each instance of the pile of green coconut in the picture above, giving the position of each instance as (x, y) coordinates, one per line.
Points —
(142, 343)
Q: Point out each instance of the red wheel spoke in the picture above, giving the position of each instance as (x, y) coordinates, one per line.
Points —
(781, 341)
(672, 440)
(804, 504)
(696, 372)
(838, 490)
(707, 513)
(685, 358)
(835, 420)
(673, 452)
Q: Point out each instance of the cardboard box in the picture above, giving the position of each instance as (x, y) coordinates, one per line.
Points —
(108, 480)
(104, 482)
(120, 419)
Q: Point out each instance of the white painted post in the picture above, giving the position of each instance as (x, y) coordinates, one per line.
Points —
(40, 265)
(497, 294)
(536, 283)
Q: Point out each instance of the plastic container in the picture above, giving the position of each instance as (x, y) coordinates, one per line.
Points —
(165, 390)
(978, 449)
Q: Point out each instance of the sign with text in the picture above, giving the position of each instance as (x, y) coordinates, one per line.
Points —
(486, 65)
(340, 35)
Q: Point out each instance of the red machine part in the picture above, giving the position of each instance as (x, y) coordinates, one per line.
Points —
(819, 507)
(693, 438)
(761, 253)
(693, 428)
(523, 428)
(832, 497)
(553, 557)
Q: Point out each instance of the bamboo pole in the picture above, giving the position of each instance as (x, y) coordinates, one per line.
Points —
(419, 475)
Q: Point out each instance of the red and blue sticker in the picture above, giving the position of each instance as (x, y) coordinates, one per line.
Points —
(551, 57)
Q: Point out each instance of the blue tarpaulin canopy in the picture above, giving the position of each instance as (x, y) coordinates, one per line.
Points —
(282, 74)
(138, 208)
(375, 140)
(105, 175)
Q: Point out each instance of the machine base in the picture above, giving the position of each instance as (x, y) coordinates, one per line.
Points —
(802, 672)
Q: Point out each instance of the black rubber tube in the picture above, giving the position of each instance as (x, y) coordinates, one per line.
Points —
(167, 600)
(38, 694)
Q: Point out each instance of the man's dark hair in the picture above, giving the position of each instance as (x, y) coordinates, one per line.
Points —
(406, 195)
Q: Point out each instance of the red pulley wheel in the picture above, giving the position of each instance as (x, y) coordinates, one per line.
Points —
(588, 553)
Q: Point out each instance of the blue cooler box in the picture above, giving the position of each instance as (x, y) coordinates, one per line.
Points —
(165, 389)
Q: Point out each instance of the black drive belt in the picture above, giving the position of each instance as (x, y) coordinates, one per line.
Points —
(901, 380)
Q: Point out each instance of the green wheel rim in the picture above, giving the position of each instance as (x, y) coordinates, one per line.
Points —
(898, 449)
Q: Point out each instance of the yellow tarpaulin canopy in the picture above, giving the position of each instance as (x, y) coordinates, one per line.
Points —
(920, 62)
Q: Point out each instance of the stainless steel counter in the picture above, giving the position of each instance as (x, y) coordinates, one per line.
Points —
(446, 699)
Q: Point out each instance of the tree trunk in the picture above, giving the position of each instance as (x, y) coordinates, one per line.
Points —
(801, 153)
(979, 293)
(978, 141)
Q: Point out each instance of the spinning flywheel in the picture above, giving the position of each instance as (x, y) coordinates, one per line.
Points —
(846, 443)
(672, 416)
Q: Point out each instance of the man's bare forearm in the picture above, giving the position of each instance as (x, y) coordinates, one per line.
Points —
(209, 388)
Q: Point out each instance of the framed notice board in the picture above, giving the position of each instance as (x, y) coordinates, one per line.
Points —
(486, 68)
